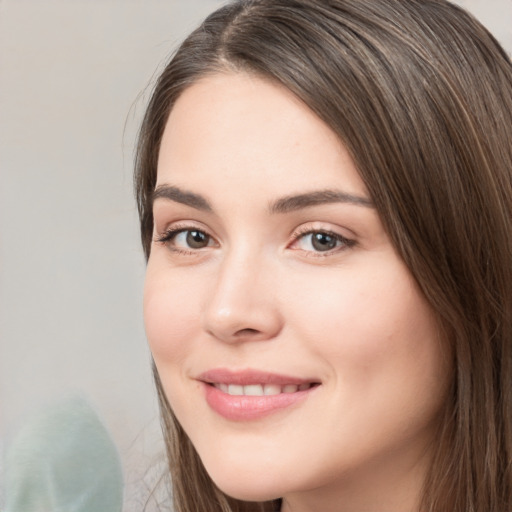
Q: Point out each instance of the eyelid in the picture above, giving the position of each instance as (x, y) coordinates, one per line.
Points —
(166, 236)
(309, 229)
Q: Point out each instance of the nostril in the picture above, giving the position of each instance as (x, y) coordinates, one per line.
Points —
(246, 332)
(235, 320)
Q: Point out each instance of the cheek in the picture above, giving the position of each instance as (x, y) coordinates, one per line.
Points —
(170, 317)
(369, 323)
(172, 322)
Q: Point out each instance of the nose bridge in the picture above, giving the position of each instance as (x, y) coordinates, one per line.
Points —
(242, 303)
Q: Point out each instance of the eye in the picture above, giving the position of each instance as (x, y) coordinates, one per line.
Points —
(194, 239)
(320, 241)
(186, 239)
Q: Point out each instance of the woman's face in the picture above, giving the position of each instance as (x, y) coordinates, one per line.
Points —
(292, 342)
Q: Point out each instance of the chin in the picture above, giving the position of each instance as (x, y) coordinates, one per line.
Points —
(248, 491)
(247, 486)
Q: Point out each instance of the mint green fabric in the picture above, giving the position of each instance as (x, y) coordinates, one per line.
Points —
(63, 460)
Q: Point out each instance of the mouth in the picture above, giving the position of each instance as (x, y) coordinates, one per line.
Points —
(261, 389)
(251, 394)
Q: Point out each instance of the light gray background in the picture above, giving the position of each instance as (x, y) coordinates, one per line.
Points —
(73, 77)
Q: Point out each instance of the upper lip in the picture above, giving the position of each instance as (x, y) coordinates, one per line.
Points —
(250, 376)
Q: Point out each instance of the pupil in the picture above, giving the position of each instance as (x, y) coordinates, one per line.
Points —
(197, 239)
(323, 242)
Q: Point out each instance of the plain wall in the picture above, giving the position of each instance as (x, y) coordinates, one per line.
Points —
(73, 77)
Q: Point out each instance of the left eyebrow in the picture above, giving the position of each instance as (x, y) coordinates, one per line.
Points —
(299, 201)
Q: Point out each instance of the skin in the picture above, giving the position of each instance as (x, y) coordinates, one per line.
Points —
(260, 295)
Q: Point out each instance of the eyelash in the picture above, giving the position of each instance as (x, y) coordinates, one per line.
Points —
(171, 233)
(168, 235)
(346, 243)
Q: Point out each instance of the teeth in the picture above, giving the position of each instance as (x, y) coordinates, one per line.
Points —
(253, 390)
(260, 389)
(272, 389)
(235, 389)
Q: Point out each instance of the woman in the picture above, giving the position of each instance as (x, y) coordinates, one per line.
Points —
(325, 201)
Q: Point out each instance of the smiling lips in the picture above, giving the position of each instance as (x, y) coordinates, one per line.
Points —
(250, 395)
(260, 389)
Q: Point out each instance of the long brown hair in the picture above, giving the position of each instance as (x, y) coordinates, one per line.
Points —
(421, 96)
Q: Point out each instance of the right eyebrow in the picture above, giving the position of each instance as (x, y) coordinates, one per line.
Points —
(185, 197)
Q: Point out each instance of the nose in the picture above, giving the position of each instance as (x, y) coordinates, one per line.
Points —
(243, 305)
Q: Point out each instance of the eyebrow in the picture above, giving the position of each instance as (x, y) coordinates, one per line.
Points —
(182, 196)
(284, 205)
(297, 202)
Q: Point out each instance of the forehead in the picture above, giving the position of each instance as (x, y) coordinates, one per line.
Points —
(249, 132)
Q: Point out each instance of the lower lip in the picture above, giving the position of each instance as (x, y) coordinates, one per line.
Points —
(245, 407)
